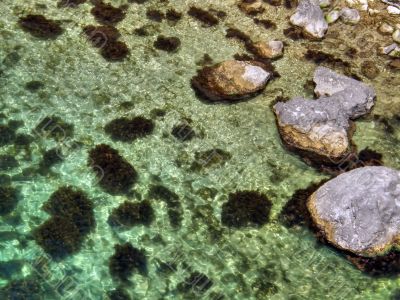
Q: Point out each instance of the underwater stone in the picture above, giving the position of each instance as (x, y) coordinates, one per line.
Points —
(321, 129)
(246, 208)
(271, 49)
(125, 260)
(40, 27)
(115, 174)
(231, 80)
(350, 15)
(358, 211)
(310, 17)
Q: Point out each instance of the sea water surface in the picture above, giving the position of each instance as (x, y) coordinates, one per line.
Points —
(82, 88)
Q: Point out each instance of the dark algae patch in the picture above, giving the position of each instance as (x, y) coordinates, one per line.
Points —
(295, 212)
(59, 237)
(118, 294)
(54, 127)
(99, 36)
(107, 14)
(50, 158)
(9, 197)
(155, 15)
(73, 204)
(40, 27)
(246, 208)
(168, 44)
(125, 260)
(183, 132)
(70, 3)
(175, 211)
(129, 214)
(115, 174)
(114, 51)
(196, 283)
(23, 289)
(128, 130)
(209, 158)
(173, 15)
(72, 218)
(8, 162)
(204, 16)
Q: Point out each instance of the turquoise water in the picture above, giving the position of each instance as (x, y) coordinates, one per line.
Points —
(80, 87)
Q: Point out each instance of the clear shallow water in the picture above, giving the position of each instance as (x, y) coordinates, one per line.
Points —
(271, 262)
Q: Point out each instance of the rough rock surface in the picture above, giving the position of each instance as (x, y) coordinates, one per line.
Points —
(359, 211)
(358, 97)
(322, 128)
(231, 80)
(271, 49)
(310, 17)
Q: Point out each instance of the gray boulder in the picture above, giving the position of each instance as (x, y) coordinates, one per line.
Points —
(359, 211)
(310, 17)
(321, 129)
(358, 97)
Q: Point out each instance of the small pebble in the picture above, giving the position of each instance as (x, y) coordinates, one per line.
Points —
(332, 16)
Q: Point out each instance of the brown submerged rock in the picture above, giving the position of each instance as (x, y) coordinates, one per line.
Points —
(231, 80)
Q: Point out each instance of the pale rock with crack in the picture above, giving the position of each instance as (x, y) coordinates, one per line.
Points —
(231, 80)
(310, 17)
(321, 130)
(359, 211)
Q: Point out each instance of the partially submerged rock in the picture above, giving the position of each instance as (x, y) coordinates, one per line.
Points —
(320, 130)
(358, 211)
(311, 18)
(231, 80)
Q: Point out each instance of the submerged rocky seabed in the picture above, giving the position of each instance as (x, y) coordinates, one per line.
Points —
(66, 81)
